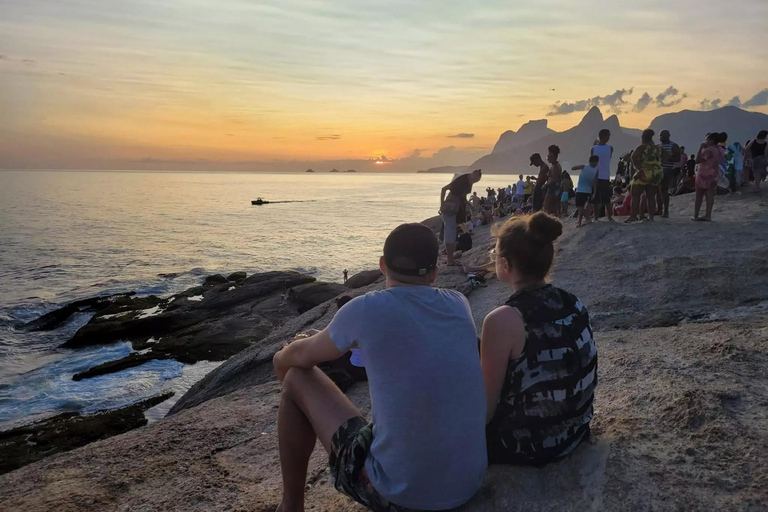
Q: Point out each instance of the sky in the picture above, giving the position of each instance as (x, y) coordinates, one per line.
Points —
(290, 84)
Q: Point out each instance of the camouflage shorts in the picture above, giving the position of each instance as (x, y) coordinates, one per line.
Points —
(349, 449)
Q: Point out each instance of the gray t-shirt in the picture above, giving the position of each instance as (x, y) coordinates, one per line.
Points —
(420, 350)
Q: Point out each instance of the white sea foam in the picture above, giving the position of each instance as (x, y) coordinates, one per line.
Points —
(195, 298)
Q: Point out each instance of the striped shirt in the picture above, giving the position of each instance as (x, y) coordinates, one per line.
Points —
(546, 401)
(666, 158)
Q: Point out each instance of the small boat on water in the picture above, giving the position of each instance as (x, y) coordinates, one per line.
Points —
(259, 201)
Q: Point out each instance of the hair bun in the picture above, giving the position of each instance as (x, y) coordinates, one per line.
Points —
(544, 227)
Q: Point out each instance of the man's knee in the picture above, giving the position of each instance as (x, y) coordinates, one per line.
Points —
(296, 379)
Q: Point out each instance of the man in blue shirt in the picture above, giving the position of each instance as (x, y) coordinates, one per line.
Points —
(425, 448)
(587, 187)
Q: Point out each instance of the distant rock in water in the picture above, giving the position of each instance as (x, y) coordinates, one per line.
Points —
(210, 322)
(24, 445)
(351, 170)
(57, 317)
(309, 170)
(335, 170)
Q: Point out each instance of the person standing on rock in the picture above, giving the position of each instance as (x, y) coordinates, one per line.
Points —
(670, 161)
(346, 275)
(425, 449)
(541, 181)
(646, 159)
(604, 152)
(453, 209)
(520, 190)
(554, 181)
(710, 156)
(538, 355)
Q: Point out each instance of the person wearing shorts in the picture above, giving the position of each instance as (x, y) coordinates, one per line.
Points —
(425, 449)
(646, 159)
(670, 157)
(586, 187)
(603, 191)
(453, 209)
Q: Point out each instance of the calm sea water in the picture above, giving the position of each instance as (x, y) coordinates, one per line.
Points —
(71, 235)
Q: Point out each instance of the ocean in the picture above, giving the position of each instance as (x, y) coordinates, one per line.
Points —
(68, 235)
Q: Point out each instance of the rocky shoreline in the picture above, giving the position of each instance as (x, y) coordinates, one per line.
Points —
(679, 310)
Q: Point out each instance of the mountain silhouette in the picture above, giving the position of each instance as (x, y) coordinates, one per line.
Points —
(529, 132)
(575, 145)
(688, 128)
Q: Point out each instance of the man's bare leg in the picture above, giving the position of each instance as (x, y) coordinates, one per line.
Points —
(311, 407)
(664, 187)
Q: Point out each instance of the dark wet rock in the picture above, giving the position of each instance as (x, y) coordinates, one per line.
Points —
(313, 294)
(208, 322)
(57, 317)
(363, 278)
(129, 361)
(24, 445)
(214, 279)
(237, 276)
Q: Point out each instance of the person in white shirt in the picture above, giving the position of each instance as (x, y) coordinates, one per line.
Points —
(587, 187)
(604, 190)
(520, 189)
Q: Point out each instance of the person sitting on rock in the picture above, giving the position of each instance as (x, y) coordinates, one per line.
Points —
(538, 355)
(425, 449)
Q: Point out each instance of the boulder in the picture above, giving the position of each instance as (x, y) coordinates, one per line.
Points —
(57, 317)
(129, 361)
(214, 280)
(313, 294)
(236, 276)
(24, 445)
(363, 278)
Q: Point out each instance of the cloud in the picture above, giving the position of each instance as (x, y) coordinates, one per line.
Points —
(735, 102)
(758, 100)
(705, 104)
(671, 92)
(462, 136)
(642, 103)
(28, 62)
(328, 137)
(613, 101)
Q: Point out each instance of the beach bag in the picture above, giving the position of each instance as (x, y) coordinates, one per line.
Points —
(451, 205)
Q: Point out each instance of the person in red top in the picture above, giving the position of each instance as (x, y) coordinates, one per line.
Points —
(709, 158)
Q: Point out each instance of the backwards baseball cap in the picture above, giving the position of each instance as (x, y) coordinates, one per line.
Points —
(411, 250)
(536, 157)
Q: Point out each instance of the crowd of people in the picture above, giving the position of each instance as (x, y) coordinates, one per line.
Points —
(447, 404)
(646, 178)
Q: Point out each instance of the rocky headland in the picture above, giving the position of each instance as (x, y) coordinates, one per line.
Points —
(681, 414)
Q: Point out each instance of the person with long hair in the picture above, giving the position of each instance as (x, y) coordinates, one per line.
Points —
(537, 352)
(710, 156)
(646, 158)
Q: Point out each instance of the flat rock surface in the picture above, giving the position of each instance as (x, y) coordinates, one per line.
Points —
(680, 424)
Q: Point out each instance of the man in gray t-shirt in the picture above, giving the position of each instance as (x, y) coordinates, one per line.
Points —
(425, 448)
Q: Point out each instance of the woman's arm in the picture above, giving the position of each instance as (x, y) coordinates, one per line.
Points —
(503, 339)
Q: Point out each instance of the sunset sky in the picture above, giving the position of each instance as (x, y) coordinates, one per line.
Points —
(241, 84)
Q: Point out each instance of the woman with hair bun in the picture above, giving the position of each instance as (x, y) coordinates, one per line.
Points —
(538, 355)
